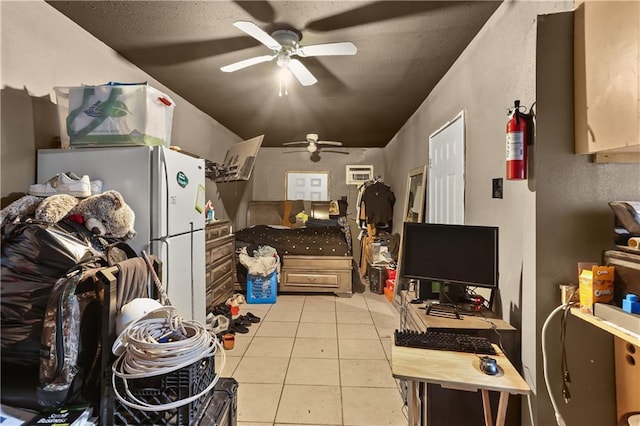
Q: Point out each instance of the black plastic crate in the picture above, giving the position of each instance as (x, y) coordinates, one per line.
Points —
(221, 407)
(165, 389)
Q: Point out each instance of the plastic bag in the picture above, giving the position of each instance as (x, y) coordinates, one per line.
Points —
(34, 256)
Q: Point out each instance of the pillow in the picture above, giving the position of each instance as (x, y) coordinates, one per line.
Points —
(286, 214)
(279, 226)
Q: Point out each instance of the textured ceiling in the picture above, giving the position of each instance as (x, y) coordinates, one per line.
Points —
(404, 48)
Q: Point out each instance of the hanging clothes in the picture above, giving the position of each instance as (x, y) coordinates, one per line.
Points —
(378, 200)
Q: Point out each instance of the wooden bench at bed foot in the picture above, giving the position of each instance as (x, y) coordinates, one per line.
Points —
(314, 274)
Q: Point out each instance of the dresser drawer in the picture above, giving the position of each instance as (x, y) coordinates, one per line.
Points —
(219, 248)
(217, 229)
(222, 290)
(330, 280)
(319, 263)
(219, 270)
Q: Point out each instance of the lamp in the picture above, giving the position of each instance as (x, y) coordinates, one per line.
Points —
(312, 147)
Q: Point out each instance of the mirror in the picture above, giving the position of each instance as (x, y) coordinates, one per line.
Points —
(414, 196)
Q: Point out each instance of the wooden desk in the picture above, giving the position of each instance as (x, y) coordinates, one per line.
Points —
(414, 317)
(455, 370)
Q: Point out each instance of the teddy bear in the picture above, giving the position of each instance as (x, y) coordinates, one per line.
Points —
(105, 214)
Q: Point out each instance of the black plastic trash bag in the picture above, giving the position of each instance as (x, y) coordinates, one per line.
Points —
(34, 256)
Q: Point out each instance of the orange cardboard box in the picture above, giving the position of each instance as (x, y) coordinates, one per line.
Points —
(596, 286)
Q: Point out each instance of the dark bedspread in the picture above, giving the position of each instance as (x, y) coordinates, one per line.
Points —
(312, 241)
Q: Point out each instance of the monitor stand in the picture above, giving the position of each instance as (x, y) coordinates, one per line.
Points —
(450, 296)
(445, 310)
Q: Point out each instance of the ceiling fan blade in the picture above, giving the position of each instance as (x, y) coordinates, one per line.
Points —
(247, 63)
(333, 143)
(254, 31)
(295, 143)
(301, 72)
(329, 49)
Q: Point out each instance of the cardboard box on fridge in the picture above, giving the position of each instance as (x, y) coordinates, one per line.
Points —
(596, 286)
(114, 114)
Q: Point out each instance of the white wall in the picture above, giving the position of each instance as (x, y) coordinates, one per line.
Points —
(41, 49)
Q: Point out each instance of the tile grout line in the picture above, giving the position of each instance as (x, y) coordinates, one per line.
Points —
(284, 379)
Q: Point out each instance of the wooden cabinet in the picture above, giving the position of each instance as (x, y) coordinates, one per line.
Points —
(316, 274)
(606, 80)
(220, 261)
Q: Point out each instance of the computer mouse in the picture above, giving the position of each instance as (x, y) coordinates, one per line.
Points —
(489, 365)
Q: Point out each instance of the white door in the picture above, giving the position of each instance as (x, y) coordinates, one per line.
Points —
(313, 186)
(446, 173)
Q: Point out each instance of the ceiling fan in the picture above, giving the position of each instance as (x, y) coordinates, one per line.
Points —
(313, 144)
(284, 44)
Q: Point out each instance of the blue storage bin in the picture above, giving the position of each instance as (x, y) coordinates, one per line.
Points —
(262, 289)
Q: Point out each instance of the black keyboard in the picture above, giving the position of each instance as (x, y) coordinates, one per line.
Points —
(444, 341)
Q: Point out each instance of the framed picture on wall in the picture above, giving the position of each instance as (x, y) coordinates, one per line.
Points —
(414, 195)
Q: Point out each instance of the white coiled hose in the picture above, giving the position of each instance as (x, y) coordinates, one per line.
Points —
(158, 346)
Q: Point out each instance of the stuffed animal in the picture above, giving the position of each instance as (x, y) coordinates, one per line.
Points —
(55, 207)
(107, 214)
(104, 214)
(26, 206)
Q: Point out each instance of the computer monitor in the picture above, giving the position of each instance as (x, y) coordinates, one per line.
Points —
(453, 255)
(239, 161)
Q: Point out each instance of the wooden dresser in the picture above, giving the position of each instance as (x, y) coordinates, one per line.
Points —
(220, 261)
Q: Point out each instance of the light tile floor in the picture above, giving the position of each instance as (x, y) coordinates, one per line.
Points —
(317, 360)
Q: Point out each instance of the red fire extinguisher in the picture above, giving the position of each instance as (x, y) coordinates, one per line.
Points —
(519, 129)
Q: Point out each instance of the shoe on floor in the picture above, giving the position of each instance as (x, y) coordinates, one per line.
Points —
(96, 185)
(237, 326)
(62, 184)
(252, 317)
(243, 320)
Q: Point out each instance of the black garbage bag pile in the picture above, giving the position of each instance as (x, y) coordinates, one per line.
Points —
(34, 256)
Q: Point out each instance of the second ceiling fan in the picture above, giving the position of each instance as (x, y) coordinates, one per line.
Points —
(284, 44)
(313, 144)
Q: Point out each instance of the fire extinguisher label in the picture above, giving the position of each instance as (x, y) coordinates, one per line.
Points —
(515, 146)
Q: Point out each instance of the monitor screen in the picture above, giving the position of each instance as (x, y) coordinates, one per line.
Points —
(239, 161)
(455, 254)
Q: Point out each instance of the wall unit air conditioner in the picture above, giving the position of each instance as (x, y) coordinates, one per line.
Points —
(357, 174)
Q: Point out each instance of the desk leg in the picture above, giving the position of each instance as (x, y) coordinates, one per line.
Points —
(413, 403)
(486, 405)
(502, 408)
(423, 404)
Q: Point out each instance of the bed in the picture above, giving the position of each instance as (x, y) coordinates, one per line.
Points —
(316, 258)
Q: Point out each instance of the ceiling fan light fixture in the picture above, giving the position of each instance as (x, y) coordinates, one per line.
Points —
(284, 43)
(283, 81)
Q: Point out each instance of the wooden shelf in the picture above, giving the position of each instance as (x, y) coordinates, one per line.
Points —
(607, 326)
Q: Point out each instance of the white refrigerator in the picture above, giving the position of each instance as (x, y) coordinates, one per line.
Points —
(165, 189)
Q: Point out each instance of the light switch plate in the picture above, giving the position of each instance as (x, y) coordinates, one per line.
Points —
(496, 190)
